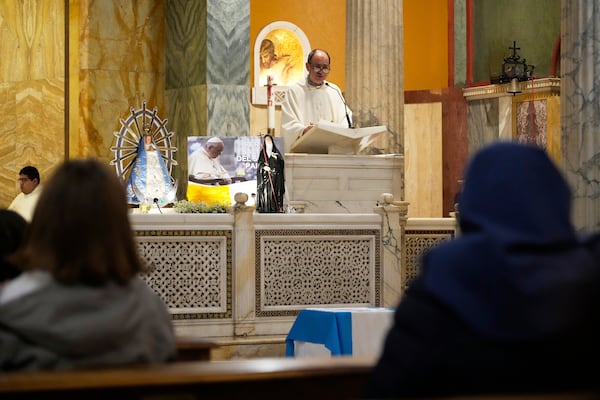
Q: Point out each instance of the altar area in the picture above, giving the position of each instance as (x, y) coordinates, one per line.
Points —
(245, 276)
(249, 274)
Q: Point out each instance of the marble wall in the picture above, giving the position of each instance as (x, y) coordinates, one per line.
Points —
(438, 146)
(121, 64)
(189, 59)
(208, 74)
(32, 88)
(580, 118)
(228, 68)
(460, 42)
(484, 122)
(186, 90)
(423, 159)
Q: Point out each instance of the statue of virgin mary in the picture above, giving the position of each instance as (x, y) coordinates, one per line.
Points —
(149, 180)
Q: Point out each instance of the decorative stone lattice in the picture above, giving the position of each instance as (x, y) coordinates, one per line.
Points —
(296, 269)
(417, 242)
(191, 274)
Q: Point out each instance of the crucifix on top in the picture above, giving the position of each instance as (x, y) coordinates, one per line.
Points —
(514, 48)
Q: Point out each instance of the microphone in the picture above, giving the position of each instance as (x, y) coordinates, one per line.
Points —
(157, 206)
(343, 101)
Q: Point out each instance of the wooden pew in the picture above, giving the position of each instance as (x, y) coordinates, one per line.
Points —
(262, 378)
(194, 349)
(534, 396)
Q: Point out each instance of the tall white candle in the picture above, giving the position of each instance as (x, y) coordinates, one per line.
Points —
(270, 105)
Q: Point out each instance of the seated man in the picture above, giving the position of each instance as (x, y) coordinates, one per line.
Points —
(25, 202)
(204, 165)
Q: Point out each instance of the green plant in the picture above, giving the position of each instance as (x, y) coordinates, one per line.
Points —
(190, 207)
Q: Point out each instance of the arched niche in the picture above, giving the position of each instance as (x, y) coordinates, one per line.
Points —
(280, 50)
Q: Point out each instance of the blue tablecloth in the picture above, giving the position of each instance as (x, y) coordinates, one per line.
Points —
(333, 328)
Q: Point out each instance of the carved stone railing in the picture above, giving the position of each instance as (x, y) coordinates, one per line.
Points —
(245, 273)
(420, 235)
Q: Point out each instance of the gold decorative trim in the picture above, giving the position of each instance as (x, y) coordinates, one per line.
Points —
(551, 85)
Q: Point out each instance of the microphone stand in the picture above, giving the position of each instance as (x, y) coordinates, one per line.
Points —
(157, 206)
(343, 101)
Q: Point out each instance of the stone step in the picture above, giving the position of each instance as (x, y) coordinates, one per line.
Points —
(230, 348)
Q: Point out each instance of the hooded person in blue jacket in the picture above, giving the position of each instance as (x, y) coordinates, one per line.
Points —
(511, 304)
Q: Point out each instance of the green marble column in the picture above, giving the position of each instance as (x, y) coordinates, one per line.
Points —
(207, 72)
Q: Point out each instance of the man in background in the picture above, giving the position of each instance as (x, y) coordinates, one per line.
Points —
(25, 202)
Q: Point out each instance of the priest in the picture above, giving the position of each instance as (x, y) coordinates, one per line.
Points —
(313, 99)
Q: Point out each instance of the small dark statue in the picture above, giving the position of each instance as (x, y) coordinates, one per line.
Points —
(270, 179)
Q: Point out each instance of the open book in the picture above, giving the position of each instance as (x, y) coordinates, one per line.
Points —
(328, 138)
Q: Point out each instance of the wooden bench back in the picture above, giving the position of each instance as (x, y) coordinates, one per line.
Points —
(265, 378)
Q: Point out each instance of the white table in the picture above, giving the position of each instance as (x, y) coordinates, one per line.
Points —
(359, 331)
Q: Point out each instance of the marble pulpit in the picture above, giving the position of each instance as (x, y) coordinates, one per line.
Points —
(332, 183)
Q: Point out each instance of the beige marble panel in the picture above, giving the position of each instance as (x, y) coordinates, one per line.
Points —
(31, 121)
(122, 64)
(35, 135)
(10, 164)
(31, 89)
(39, 116)
(423, 159)
(32, 35)
(8, 111)
(123, 35)
(73, 94)
(106, 97)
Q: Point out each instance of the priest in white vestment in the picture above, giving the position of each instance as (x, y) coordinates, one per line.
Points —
(312, 100)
